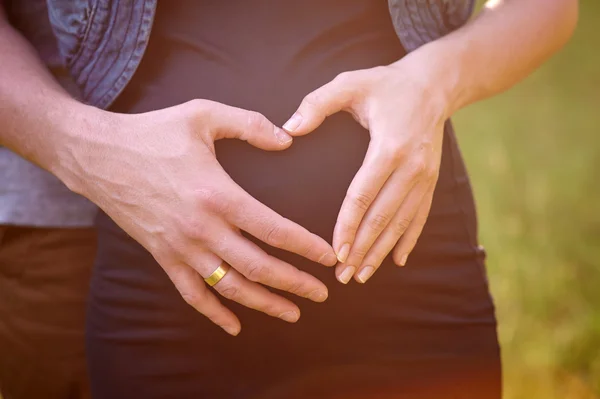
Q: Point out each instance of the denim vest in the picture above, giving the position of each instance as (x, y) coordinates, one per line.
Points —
(101, 42)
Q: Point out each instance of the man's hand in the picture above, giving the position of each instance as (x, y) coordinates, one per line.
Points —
(389, 199)
(157, 176)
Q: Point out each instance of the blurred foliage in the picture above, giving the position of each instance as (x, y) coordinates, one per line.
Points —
(534, 158)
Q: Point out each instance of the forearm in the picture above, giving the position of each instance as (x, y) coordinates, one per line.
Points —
(38, 117)
(505, 43)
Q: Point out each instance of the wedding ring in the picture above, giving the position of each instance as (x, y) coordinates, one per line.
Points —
(218, 274)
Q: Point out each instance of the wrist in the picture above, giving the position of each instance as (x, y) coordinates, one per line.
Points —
(439, 68)
(79, 127)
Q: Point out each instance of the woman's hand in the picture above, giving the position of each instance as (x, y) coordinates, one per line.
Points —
(404, 106)
(388, 201)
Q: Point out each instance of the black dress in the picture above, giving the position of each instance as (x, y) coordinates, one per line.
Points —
(426, 330)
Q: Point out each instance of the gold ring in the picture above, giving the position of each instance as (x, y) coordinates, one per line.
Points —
(218, 274)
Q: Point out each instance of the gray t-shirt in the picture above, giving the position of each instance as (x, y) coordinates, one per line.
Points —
(30, 196)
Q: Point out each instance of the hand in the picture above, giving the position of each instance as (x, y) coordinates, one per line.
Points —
(389, 199)
(157, 176)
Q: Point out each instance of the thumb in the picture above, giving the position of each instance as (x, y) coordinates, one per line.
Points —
(327, 100)
(228, 122)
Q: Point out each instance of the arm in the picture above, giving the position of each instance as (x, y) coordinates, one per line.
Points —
(507, 41)
(405, 105)
(32, 101)
(157, 176)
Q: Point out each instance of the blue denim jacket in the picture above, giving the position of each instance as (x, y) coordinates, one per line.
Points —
(102, 41)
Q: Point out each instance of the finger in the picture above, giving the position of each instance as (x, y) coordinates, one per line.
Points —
(237, 123)
(409, 239)
(391, 234)
(252, 216)
(236, 287)
(330, 98)
(195, 292)
(256, 265)
(382, 211)
(370, 178)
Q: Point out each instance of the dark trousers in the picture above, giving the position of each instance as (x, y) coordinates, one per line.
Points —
(44, 281)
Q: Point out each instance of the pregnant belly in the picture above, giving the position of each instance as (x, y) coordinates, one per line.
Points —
(307, 182)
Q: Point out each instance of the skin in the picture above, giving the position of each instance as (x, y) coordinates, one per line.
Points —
(157, 176)
(404, 106)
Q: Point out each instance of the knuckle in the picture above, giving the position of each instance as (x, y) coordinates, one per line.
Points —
(198, 107)
(191, 228)
(418, 166)
(379, 70)
(379, 221)
(399, 226)
(214, 201)
(217, 243)
(296, 285)
(275, 236)
(391, 152)
(397, 152)
(374, 259)
(359, 253)
(194, 299)
(348, 226)
(312, 100)
(171, 245)
(343, 78)
(230, 291)
(257, 122)
(432, 173)
(307, 251)
(269, 308)
(255, 272)
(361, 201)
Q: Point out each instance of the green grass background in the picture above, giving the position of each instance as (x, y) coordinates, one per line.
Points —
(534, 157)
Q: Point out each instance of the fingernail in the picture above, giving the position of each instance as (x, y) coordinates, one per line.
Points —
(328, 259)
(365, 273)
(282, 136)
(290, 317)
(231, 330)
(317, 296)
(403, 260)
(342, 254)
(293, 123)
(347, 274)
